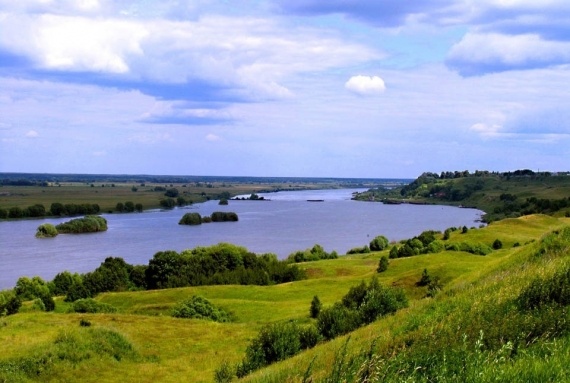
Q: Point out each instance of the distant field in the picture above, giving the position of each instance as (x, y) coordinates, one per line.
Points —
(107, 193)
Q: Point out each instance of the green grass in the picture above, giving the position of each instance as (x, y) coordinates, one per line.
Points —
(477, 295)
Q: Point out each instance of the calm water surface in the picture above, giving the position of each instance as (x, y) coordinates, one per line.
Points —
(283, 225)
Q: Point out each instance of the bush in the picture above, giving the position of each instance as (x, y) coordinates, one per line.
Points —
(273, 343)
(224, 373)
(382, 264)
(359, 250)
(425, 279)
(337, 320)
(379, 243)
(221, 216)
(88, 224)
(198, 307)
(315, 307)
(497, 244)
(191, 219)
(46, 230)
(9, 303)
(90, 305)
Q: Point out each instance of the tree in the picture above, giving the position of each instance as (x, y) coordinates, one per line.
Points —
(120, 207)
(46, 230)
(172, 193)
(497, 244)
(190, 219)
(382, 264)
(425, 279)
(315, 307)
(379, 243)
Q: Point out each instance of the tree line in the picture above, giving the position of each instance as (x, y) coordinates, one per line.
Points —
(212, 265)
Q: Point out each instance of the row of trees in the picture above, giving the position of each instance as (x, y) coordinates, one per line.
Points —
(56, 209)
(218, 264)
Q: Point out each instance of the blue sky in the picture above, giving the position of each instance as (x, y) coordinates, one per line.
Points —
(337, 88)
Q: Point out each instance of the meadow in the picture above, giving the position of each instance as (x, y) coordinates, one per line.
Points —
(467, 332)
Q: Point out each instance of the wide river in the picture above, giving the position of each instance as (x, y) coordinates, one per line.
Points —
(286, 223)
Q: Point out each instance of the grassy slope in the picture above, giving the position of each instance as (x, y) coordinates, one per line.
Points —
(173, 350)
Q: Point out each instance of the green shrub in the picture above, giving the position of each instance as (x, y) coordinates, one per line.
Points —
(198, 307)
(382, 264)
(359, 250)
(379, 243)
(224, 374)
(497, 244)
(90, 305)
(190, 219)
(274, 342)
(316, 307)
(10, 303)
(87, 224)
(337, 320)
(221, 216)
(46, 230)
(436, 246)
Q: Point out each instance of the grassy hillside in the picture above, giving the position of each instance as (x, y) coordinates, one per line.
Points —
(475, 329)
(500, 195)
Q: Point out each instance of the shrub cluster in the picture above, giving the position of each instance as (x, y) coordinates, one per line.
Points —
(90, 305)
(218, 216)
(426, 243)
(276, 342)
(316, 253)
(46, 230)
(70, 209)
(198, 307)
(87, 224)
(361, 305)
(213, 265)
(218, 264)
(128, 207)
(9, 303)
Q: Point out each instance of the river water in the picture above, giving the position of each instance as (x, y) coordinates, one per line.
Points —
(286, 223)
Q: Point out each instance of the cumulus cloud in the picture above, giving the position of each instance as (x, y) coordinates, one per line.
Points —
(32, 134)
(365, 85)
(480, 53)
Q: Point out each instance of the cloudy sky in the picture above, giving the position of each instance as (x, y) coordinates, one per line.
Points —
(331, 88)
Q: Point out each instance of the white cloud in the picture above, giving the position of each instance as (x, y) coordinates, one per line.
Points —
(486, 130)
(212, 137)
(483, 52)
(365, 85)
(32, 134)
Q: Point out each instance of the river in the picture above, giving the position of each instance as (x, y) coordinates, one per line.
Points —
(286, 223)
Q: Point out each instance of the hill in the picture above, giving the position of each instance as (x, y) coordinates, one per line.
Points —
(497, 317)
(499, 195)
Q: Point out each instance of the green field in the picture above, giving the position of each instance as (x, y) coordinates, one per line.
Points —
(154, 347)
(108, 191)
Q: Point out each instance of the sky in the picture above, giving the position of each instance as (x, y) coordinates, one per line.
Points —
(290, 88)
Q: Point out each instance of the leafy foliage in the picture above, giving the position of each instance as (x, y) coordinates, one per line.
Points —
(218, 264)
(88, 224)
(379, 243)
(46, 230)
(316, 253)
(190, 219)
(198, 307)
(90, 305)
